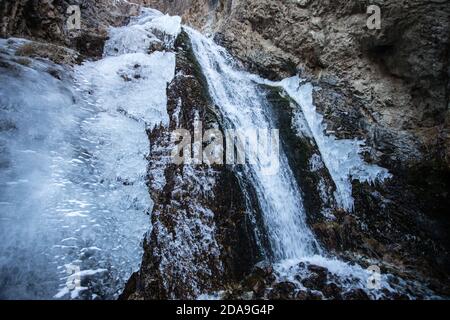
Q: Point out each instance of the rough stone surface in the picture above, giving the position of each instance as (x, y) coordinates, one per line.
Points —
(46, 20)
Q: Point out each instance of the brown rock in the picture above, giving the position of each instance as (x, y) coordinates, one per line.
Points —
(356, 294)
(46, 21)
(332, 291)
(283, 291)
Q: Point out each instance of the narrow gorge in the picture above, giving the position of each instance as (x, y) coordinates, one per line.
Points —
(347, 199)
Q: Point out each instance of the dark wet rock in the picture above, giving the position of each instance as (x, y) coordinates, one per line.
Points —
(318, 270)
(131, 288)
(400, 296)
(356, 294)
(317, 278)
(89, 45)
(332, 291)
(314, 295)
(302, 295)
(257, 284)
(315, 281)
(260, 279)
(341, 234)
(156, 46)
(312, 282)
(283, 291)
(264, 269)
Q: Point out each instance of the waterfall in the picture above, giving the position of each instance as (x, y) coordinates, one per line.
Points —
(342, 157)
(244, 105)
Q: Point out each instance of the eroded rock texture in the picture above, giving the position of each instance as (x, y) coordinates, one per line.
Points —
(46, 20)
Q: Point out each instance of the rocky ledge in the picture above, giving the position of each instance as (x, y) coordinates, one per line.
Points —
(46, 21)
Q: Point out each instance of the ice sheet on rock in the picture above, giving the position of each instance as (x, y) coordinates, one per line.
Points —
(73, 172)
(152, 27)
(62, 198)
(129, 39)
(341, 156)
(170, 26)
(132, 84)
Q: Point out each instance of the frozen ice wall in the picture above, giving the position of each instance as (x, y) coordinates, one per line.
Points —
(74, 203)
(341, 156)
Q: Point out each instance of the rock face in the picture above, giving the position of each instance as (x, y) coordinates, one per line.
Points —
(389, 87)
(47, 21)
(202, 238)
(393, 82)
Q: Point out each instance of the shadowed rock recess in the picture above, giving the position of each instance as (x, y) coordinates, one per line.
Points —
(385, 91)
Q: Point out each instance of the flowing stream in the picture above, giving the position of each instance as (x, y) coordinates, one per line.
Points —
(243, 104)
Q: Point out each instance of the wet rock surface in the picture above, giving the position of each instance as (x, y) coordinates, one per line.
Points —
(308, 281)
(312, 176)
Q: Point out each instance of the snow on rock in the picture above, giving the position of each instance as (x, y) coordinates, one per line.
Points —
(132, 84)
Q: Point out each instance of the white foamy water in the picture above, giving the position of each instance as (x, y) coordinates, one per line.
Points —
(244, 106)
(341, 156)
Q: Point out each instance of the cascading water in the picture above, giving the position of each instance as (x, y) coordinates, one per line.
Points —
(244, 106)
